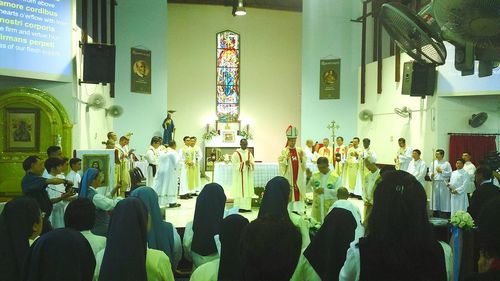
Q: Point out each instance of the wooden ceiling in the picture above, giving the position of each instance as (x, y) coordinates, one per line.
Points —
(282, 5)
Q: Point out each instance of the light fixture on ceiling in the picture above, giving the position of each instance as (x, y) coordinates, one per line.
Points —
(239, 9)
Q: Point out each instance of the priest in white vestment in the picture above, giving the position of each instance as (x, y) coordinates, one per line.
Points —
(404, 155)
(417, 167)
(243, 167)
(370, 181)
(309, 152)
(339, 156)
(326, 150)
(152, 155)
(166, 177)
(292, 164)
(440, 173)
(198, 157)
(458, 187)
(188, 170)
(352, 177)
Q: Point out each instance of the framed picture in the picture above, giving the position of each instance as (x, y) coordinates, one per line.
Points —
(22, 130)
(228, 136)
(329, 85)
(102, 160)
(140, 71)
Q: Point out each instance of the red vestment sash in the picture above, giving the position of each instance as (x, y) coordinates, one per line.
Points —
(295, 173)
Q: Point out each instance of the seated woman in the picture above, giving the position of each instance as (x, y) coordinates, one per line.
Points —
(80, 216)
(325, 256)
(199, 243)
(489, 243)
(400, 243)
(274, 204)
(228, 267)
(21, 221)
(92, 180)
(126, 256)
(162, 236)
(61, 254)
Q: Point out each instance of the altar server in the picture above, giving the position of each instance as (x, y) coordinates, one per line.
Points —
(417, 167)
(440, 173)
(403, 156)
(166, 178)
(152, 155)
(459, 181)
(243, 167)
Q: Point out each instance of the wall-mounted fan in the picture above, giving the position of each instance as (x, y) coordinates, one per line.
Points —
(114, 111)
(478, 119)
(404, 112)
(96, 101)
(365, 115)
(473, 27)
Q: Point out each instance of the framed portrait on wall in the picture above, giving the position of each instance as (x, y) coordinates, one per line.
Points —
(329, 85)
(228, 136)
(140, 72)
(102, 160)
(22, 130)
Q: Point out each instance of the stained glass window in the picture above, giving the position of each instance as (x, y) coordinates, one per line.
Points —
(228, 76)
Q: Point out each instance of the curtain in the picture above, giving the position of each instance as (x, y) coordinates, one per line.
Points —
(476, 146)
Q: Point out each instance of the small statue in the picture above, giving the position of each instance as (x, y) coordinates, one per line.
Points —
(168, 128)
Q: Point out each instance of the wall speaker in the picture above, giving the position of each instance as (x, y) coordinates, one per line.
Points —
(98, 63)
(419, 79)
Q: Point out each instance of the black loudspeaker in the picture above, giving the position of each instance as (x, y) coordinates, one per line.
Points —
(98, 63)
(419, 79)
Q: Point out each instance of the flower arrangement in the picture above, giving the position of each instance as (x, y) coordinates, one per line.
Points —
(246, 134)
(210, 134)
(463, 220)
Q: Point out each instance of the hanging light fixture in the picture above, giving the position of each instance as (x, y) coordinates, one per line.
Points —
(239, 10)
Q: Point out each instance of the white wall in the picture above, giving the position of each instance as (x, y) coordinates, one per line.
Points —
(270, 71)
(328, 33)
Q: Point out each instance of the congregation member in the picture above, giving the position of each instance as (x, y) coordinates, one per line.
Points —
(65, 166)
(127, 256)
(35, 186)
(417, 167)
(459, 181)
(403, 156)
(162, 235)
(199, 244)
(485, 191)
(326, 150)
(325, 256)
(61, 254)
(228, 267)
(471, 170)
(489, 243)
(440, 173)
(137, 179)
(372, 178)
(198, 157)
(352, 177)
(274, 205)
(324, 184)
(243, 186)
(21, 221)
(53, 152)
(269, 249)
(53, 166)
(292, 166)
(188, 172)
(80, 216)
(91, 181)
(152, 155)
(75, 165)
(166, 177)
(399, 244)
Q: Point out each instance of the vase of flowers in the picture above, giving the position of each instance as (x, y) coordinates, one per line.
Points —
(460, 221)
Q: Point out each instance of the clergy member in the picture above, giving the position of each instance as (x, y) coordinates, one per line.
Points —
(123, 156)
(417, 167)
(440, 173)
(366, 152)
(471, 170)
(309, 151)
(188, 171)
(459, 181)
(152, 155)
(324, 184)
(292, 163)
(243, 167)
(339, 157)
(352, 180)
(166, 178)
(326, 150)
(198, 156)
(371, 179)
(404, 155)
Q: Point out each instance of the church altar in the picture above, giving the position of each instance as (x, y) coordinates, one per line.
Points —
(221, 146)
(223, 173)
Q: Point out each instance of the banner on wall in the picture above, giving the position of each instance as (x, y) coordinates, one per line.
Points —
(329, 85)
(140, 71)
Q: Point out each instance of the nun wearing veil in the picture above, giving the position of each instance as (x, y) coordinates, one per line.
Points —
(61, 254)
(91, 181)
(126, 256)
(199, 243)
(228, 267)
(162, 236)
(20, 222)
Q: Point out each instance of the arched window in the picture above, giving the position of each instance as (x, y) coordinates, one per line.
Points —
(228, 76)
